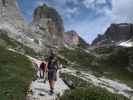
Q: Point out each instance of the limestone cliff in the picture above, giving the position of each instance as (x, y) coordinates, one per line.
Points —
(48, 20)
(71, 38)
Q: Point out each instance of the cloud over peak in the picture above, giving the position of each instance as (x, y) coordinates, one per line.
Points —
(122, 10)
(87, 17)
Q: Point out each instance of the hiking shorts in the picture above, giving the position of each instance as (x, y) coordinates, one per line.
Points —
(52, 75)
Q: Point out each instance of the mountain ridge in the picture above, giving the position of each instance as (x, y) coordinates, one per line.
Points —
(115, 33)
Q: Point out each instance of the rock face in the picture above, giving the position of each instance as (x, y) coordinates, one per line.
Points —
(71, 38)
(45, 32)
(9, 10)
(13, 23)
(48, 20)
(115, 33)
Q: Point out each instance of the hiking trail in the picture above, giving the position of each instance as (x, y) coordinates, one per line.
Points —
(40, 90)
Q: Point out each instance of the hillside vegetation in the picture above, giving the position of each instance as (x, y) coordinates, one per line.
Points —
(110, 62)
(82, 90)
(8, 42)
(15, 75)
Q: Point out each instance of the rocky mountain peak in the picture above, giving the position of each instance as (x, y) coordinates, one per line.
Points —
(115, 33)
(71, 38)
(45, 32)
(54, 20)
(49, 20)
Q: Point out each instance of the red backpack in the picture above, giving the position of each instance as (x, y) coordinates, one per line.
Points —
(42, 66)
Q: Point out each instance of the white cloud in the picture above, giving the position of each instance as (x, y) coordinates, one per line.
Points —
(76, 2)
(39, 3)
(98, 6)
(101, 1)
(72, 10)
(60, 2)
(93, 3)
(122, 10)
(89, 3)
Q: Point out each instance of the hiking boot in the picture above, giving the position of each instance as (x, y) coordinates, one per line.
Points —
(44, 81)
(51, 92)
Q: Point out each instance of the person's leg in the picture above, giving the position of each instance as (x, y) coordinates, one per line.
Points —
(52, 79)
(44, 76)
(43, 73)
(40, 73)
(52, 84)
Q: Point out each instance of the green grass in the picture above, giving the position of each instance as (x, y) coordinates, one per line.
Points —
(15, 75)
(87, 91)
(112, 63)
(77, 82)
(90, 94)
(78, 56)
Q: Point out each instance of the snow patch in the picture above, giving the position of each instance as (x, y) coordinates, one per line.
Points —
(126, 44)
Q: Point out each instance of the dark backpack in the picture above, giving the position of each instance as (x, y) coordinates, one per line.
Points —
(53, 65)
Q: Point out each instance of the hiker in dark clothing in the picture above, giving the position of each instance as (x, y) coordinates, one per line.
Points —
(52, 71)
(43, 70)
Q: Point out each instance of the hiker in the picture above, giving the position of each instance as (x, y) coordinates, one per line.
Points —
(37, 65)
(42, 69)
(52, 71)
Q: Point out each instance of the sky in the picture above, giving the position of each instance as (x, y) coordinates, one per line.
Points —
(87, 17)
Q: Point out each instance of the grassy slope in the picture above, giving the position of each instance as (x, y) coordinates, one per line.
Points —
(115, 64)
(112, 62)
(90, 94)
(86, 91)
(15, 75)
(85, 61)
(77, 56)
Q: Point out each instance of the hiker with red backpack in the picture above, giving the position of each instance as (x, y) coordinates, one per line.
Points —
(43, 70)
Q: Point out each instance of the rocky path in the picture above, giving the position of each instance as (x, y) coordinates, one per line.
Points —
(40, 90)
